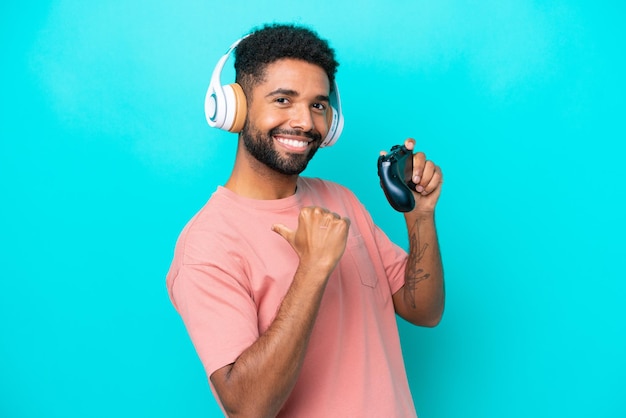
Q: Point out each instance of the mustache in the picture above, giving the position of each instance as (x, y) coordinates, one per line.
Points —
(315, 136)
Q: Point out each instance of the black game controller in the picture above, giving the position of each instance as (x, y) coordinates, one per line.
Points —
(395, 170)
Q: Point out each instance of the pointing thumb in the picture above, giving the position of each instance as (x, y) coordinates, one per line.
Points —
(283, 231)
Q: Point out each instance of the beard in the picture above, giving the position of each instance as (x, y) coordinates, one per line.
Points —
(261, 146)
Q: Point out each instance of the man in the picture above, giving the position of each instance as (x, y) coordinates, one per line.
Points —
(288, 290)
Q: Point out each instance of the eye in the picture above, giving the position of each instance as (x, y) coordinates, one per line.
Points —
(282, 100)
(319, 107)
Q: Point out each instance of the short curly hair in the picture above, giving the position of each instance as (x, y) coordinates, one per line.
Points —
(273, 42)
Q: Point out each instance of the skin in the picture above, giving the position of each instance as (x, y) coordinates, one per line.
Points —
(421, 299)
(291, 102)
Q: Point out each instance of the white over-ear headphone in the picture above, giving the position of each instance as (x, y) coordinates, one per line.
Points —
(225, 105)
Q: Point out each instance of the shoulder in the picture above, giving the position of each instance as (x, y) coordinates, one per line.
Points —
(208, 232)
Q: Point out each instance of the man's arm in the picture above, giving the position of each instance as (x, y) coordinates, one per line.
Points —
(259, 382)
(421, 299)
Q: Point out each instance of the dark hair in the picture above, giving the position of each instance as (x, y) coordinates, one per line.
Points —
(277, 41)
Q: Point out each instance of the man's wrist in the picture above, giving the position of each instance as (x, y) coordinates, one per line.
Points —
(420, 215)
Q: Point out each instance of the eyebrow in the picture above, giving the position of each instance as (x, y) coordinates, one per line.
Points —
(293, 93)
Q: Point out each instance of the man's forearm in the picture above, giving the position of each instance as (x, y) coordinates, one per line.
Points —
(423, 297)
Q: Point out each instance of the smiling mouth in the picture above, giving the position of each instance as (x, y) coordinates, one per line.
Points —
(294, 144)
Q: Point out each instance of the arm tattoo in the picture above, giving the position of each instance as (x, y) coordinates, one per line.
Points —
(413, 274)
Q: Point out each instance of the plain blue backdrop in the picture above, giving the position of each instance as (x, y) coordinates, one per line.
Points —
(105, 155)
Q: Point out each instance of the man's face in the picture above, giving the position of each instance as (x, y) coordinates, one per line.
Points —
(286, 119)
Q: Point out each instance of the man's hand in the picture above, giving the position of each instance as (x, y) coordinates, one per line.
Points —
(320, 239)
(428, 179)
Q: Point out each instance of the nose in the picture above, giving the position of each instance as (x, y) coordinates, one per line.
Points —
(301, 118)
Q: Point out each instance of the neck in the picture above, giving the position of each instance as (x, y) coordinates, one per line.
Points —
(253, 179)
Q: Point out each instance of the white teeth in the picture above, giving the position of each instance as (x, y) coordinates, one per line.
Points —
(293, 142)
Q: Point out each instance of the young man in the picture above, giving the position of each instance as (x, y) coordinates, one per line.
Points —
(288, 290)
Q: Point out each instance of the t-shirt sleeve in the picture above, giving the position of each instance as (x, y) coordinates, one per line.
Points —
(393, 257)
(217, 310)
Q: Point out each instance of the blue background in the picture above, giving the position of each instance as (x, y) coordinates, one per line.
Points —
(105, 155)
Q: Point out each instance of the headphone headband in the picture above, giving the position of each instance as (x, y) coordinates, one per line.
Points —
(225, 105)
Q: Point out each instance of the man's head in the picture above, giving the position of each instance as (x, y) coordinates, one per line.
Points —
(286, 73)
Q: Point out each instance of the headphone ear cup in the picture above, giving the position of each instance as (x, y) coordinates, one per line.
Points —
(225, 106)
(236, 107)
(334, 119)
(214, 106)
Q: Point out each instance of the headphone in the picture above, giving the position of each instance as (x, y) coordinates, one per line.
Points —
(225, 105)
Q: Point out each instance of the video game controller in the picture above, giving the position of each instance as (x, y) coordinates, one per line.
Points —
(395, 170)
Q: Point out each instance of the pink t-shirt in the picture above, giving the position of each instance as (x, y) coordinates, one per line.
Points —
(230, 272)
